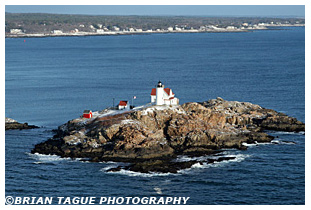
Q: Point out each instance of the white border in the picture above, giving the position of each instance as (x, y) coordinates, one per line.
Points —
(161, 2)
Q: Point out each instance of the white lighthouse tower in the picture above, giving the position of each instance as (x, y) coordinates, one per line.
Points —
(159, 94)
(163, 96)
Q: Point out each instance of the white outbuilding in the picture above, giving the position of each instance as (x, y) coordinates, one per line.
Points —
(163, 96)
(124, 105)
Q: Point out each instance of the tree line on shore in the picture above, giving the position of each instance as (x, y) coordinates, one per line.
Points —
(45, 23)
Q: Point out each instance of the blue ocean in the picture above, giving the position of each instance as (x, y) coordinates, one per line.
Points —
(49, 81)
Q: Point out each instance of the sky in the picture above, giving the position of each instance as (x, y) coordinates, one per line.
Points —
(192, 10)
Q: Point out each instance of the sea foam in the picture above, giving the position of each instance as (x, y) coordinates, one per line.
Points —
(133, 173)
(238, 158)
(202, 165)
(41, 158)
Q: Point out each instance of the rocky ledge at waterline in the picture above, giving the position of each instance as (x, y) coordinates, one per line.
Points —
(150, 138)
(11, 124)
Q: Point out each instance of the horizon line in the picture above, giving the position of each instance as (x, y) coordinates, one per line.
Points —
(168, 15)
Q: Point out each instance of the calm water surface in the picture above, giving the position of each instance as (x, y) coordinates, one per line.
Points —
(49, 81)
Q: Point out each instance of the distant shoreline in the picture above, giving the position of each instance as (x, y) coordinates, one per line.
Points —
(116, 33)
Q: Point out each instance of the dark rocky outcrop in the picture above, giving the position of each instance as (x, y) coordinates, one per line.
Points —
(165, 166)
(11, 124)
(149, 138)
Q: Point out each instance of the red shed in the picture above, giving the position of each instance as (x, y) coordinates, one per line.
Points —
(87, 114)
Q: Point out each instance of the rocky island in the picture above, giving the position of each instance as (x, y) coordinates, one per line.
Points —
(149, 138)
(11, 124)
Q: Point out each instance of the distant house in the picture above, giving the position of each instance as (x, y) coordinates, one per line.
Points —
(115, 28)
(74, 31)
(100, 30)
(176, 28)
(202, 28)
(87, 114)
(123, 105)
(163, 96)
(16, 31)
(230, 28)
(57, 32)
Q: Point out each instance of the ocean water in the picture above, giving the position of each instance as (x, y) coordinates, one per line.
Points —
(49, 81)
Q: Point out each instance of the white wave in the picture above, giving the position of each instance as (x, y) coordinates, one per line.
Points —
(287, 133)
(282, 142)
(227, 152)
(249, 145)
(109, 167)
(275, 141)
(185, 158)
(41, 158)
(198, 165)
(158, 190)
(45, 158)
(204, 165)
(133, 173)
(256, 144)
(238, 158)
(193, 167)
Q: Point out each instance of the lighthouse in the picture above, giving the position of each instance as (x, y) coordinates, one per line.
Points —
(159, 93)
(163, 96)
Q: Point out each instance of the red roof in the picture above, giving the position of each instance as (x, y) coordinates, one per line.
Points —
(123, 103)
(154, 91)
(167, 90)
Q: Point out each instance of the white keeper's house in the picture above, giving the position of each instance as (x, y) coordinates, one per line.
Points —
(163, 96)
(124, 105)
